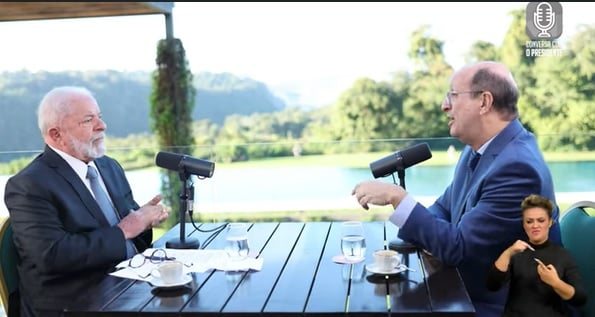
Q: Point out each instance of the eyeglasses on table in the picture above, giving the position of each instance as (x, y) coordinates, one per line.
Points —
(156, 257)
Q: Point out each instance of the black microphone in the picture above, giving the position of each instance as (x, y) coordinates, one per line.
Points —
(185, 166)
(185, 163)
(400, 160)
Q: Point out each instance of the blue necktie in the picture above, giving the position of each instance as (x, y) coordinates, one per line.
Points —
(474, 160)
(106, 206)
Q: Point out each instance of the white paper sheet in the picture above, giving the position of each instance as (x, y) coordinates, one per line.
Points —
(195, 260)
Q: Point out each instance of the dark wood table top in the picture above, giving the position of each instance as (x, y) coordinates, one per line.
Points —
(298, 278)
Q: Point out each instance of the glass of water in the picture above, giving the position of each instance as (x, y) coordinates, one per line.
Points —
(353, 241)
(236, 241)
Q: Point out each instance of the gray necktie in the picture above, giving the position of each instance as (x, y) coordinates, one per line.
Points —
(101, 197)
(106, 206)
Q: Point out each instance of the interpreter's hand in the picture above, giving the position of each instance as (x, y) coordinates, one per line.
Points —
(378, 193)
(147, 216)
(547, 273)
(503, 260)
(519, 246)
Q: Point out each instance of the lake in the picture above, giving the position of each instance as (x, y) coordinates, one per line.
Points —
(308, 188)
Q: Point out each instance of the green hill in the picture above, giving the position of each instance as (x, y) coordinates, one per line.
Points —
(124, 101)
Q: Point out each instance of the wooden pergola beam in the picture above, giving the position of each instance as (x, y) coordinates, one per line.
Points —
(27, 11)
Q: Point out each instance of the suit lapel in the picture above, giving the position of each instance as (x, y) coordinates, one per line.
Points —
(64, 170)
(504, 138)
(468, 182)
(461, 184)
(113, 183)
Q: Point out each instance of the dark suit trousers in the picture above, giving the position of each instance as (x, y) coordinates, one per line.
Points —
(28, 311)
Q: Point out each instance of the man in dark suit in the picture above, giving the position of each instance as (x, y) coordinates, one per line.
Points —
(479, 213)
(64, 239)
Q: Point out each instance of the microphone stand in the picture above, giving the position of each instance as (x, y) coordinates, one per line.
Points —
(401, 173)
(187, 191)
(397, 244)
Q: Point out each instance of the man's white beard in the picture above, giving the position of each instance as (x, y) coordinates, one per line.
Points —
(87, 149)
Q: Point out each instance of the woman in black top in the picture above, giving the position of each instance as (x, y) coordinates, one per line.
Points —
(543, 276)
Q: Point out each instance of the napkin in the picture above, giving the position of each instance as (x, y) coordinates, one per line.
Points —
(198, 261)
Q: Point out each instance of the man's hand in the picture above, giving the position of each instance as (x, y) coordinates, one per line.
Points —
(146, 217)
(378, 193)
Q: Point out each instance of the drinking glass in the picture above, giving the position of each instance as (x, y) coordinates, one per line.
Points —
(353, 242)
(236, 244)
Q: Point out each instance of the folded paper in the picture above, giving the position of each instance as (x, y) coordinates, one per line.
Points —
(198, 261)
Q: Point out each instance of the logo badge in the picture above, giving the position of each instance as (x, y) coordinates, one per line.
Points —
(544, 20)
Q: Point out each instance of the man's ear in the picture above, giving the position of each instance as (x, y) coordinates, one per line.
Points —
(54, 134)
(487, 100)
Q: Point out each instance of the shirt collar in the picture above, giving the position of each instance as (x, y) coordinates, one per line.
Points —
(79, 167)
(483, 148)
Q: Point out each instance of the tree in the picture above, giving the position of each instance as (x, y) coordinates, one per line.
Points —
(582, 52)
(425, 50)
(172, 102)
(563, 95)
(482, 51)
(368, 110)
(513, 55)
(512, 51)
(429, 83)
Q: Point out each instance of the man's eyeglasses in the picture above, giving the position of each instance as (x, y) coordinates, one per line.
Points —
(156, 257)
(450, 94)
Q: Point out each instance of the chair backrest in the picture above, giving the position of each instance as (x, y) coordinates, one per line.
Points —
(9, 277)
(578, 236)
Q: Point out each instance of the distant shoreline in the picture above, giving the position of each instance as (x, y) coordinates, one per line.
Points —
(349, 203)
(342, 204)
(238, 180)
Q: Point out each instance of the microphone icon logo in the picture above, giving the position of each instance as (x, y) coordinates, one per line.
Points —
(544, 20)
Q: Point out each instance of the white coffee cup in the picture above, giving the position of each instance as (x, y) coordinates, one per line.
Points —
(169, 272)
(386, 260)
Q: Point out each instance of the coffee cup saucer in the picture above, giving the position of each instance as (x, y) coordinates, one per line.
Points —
(373, 268)
(157, 282)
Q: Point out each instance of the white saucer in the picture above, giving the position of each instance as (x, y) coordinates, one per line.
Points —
(374, 269)
(160, 284)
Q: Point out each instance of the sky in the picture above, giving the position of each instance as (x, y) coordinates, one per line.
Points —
(315, 49)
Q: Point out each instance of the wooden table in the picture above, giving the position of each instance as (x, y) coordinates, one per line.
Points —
(298, 278)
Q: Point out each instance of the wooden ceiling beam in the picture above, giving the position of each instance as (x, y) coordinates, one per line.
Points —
(23, 11)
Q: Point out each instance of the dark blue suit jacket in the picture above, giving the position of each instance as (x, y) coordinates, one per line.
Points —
(61, 235)
(479, 214)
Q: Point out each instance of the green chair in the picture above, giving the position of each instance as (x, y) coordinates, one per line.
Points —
(578, 236)
(9, 277)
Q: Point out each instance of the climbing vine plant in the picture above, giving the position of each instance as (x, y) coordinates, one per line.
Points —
(172, 102)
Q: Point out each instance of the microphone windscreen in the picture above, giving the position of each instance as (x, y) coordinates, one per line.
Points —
(384, 166)
(416, 154)
(400, 159)
(185, 163)
(170, 161)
